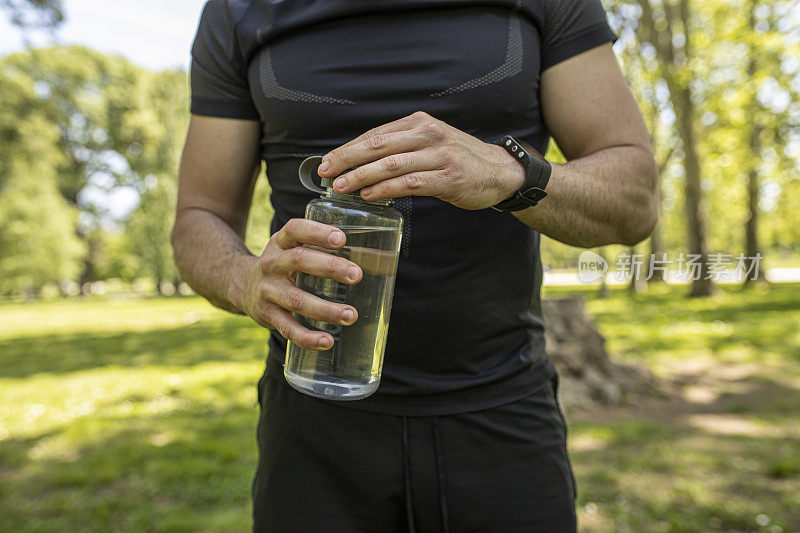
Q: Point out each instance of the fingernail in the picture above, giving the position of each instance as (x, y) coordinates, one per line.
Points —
(365, 193)
(336, 237)
(324, 166)
(340, 183)
(353, 273)
(348, 316)
(325, 342)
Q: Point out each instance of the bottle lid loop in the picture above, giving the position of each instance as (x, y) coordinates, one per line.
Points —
(308, 169)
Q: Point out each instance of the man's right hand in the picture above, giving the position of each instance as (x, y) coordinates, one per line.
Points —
(218, 172)
(271, 296)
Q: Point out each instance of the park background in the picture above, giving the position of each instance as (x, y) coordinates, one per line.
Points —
(129, 404)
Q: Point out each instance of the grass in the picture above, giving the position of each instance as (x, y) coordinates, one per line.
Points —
(127, 416)
(139, 415)
(723, 453)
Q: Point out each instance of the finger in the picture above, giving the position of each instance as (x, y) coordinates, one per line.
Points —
(375, 148)
(415, 184)
(401, 124)
(303, 303)
(301, 231)
(318, 263)
(339, 160)
(288, 326)
(391, 166)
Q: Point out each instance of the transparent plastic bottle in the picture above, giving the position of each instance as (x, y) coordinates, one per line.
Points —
(351, 369)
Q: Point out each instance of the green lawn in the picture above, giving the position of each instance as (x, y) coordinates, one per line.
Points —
(127, 415)
(723, 452)
(139, 415)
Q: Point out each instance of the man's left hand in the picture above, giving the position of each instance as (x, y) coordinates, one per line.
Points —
(419, 155)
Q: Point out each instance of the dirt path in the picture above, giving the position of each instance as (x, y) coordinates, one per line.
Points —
(719, 398)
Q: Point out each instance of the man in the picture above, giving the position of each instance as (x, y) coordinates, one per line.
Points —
(417, 96)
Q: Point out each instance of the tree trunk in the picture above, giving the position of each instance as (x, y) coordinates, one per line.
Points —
(578, 351)
(602, 292)
(680, 95)
(751, 228)
(89, 269)
(657, 253)
(638, 282)
(684, 108)
(701, 284)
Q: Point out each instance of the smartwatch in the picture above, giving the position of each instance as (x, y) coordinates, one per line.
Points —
(537, 174)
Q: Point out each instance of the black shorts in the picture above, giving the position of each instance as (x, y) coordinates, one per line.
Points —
(324, 467)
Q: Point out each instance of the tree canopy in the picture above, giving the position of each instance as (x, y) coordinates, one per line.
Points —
(92, 124)
(34, 13)
(718, 83)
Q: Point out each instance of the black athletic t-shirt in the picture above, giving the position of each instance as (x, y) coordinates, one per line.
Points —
(466, 330)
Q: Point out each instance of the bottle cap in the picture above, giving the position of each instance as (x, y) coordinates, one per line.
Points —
(308, 171)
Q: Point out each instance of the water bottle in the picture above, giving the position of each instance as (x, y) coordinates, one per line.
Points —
(351, 369)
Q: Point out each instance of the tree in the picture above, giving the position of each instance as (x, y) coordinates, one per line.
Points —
(117, 123)
(741, 78)
(38, 242)
(148, 231)
(34, 13)
(578, 351)
(752, 248)
(674, 47)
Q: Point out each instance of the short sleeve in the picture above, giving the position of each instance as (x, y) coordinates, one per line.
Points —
(572, 27)
(219, 79)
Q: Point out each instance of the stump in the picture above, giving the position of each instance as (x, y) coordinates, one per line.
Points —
(577, 349)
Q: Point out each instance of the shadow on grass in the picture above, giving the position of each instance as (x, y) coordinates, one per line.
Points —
(186, 470)
(229, 339)
(190, 469)
(724, 465)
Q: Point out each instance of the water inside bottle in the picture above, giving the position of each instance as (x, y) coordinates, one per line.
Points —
(351, 368)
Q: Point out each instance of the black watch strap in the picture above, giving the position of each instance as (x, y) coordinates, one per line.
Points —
(537, 175)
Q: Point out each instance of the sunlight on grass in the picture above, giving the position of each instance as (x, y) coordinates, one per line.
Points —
(101, 315)
(734, 465)
(140, 415)
(127, 416)
(759, 325)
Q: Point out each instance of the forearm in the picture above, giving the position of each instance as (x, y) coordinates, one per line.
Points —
(212, 258)
(607, 197)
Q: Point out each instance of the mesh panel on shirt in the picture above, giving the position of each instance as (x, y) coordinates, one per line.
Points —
(404, 205)
(510, 67)
(272, 89)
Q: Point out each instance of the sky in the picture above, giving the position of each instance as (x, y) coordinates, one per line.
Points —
(156, 34)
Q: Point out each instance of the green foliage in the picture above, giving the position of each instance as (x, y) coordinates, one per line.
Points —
(258, 224)
(729, 100)
(93, 123)
(34, 13)
(742, 76)
(38, 241)
(148, 230)
(116, 120)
